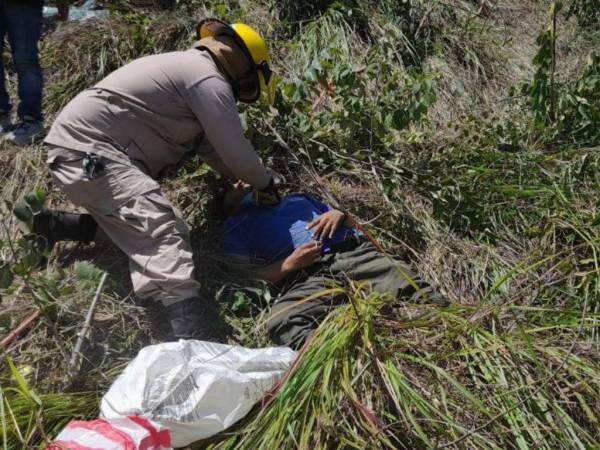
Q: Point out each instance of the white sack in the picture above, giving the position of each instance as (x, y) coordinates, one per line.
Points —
(195, 388)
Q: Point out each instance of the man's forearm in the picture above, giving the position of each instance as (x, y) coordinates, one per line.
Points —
(218, 165)
(274, 272)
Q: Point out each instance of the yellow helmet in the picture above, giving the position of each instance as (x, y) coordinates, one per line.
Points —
(252, 45)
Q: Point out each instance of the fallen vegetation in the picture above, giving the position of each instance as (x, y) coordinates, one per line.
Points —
(463, 134)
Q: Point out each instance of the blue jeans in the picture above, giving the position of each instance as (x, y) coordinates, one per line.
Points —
(23, 25)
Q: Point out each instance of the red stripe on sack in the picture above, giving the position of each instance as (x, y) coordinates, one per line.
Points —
(68, 445)
(105, 428)
(162, 438)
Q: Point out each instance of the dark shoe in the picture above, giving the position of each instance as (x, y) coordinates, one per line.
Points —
(193, 318)
(43, 225)
(58, 226)
(27, 132)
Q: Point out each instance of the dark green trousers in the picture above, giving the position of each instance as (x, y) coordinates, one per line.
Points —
(292, 321)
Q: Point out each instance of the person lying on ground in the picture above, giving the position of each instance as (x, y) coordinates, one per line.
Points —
(307, 247)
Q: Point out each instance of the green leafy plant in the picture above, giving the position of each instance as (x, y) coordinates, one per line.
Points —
(562, 110)
(579, 105)
(24, 258)
(542, 90)
(29, 250)
(340, 112)
(587, 12)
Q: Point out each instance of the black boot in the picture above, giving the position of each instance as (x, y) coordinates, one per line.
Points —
(193, 318)
(58, 226)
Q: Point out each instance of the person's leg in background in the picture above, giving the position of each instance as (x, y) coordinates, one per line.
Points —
(5, 105)
(23, 23)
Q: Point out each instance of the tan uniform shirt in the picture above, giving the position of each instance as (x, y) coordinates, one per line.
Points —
(152, 109)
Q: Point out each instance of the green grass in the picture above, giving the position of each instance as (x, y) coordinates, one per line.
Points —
(381, 374)
(26, 424)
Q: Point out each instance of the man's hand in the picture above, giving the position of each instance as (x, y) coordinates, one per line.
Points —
(268, 196)
(304, 256)
(234, 196)
(327, 224)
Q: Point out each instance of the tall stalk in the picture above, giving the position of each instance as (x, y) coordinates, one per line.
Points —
(554, 9)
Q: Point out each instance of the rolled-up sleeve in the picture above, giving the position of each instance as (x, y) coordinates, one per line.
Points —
(213, 103)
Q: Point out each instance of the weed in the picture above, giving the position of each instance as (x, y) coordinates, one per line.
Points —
(587, 12)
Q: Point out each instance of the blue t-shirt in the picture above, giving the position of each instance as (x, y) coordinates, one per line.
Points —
(271, 233)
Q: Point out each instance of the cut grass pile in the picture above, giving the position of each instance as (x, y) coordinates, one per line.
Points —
(380, 374)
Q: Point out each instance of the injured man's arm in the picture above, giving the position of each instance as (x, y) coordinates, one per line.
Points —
(304, 256)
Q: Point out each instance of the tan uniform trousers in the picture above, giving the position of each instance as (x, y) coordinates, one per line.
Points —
(129, 207)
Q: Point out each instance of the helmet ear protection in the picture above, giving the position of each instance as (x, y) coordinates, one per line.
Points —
(254, 49)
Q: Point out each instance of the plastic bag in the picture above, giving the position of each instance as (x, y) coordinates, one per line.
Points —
(125, 433)
(86, 11)
(195, 388)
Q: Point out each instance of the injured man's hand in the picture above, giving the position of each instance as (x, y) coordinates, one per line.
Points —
(304, 256)
(327, 224)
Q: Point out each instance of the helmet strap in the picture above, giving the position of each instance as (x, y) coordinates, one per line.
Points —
(230, 59)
